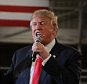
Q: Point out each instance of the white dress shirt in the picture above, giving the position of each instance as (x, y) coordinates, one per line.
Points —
(48, 48)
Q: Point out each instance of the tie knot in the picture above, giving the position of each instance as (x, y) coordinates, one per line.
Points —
(39, 59)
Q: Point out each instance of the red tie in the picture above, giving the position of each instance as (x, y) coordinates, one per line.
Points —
(37, 70)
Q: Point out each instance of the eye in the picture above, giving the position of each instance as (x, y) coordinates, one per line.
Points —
(42, 23)
(34, 23)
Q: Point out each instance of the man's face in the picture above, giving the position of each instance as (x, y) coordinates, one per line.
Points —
(44, 27)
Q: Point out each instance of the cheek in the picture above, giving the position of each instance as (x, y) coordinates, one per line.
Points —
(47, 35)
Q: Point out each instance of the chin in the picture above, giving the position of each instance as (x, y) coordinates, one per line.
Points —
(44, 43)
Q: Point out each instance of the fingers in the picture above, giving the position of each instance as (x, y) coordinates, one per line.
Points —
(37, 47)
(40, 48)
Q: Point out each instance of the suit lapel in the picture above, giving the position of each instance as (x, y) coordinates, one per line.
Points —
(55, 51)
(44, 73)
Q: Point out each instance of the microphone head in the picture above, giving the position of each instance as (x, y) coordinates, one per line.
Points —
(38, 37)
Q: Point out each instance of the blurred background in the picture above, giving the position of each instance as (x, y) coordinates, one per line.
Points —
(15, 31)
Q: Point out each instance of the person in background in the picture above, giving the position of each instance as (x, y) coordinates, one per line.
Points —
(60, 64)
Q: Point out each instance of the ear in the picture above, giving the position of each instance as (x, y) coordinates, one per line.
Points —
(55, 29)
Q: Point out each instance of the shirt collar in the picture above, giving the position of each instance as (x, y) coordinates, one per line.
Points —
(50, 45)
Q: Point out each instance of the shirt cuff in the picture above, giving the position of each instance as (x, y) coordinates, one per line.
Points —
(45, 61)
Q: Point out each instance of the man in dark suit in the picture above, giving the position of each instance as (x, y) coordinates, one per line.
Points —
(61, 64)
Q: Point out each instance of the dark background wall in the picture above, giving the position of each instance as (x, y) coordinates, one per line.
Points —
(7, 50)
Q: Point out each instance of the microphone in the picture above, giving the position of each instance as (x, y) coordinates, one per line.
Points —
(37, 39)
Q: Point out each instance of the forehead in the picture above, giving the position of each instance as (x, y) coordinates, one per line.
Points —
(40, 18)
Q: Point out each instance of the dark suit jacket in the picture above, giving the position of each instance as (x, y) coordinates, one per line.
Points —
(63, 67)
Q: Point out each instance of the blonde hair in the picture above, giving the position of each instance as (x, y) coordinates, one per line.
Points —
(47, 13)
